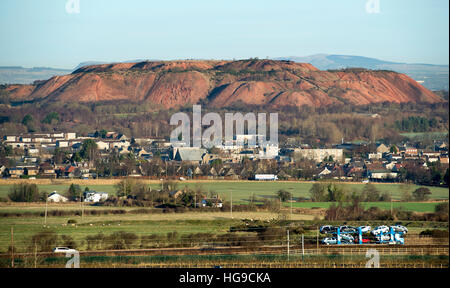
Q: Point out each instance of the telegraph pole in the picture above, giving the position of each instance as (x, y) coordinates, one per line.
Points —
(291, 206)
(391, 202)
(231, 210)
(46, 209)
(35, 254)
(288, 244)
(303, 246)
(12, 247)
(317, 240)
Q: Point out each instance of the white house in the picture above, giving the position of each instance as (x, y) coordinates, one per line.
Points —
(57, 198)
(62, 144)
(324, 172)
(102, 145)
(95, 197)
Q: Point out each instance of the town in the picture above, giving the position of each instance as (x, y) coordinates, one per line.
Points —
(109, 154)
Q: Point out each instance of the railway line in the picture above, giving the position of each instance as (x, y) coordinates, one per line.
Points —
(269, 250)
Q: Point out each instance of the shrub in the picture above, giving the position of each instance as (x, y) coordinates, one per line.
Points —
(441, 208)
(435, 233)
(422, 194)
(284, 195)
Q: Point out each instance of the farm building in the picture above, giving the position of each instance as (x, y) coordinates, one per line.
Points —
(56, 198)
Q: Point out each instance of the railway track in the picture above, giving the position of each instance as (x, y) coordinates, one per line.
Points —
(322, 250)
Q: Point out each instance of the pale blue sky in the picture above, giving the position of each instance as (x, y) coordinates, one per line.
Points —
(42, 33)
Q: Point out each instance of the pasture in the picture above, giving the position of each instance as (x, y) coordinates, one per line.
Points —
(241, 191)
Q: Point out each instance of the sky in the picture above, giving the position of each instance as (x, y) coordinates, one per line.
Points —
(55, 33)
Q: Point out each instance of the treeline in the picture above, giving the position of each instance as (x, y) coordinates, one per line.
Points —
(354, 211)
(329, 123)
(332, 192)
(416, 124)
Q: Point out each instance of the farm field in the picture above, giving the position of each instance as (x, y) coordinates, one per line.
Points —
(243, 190)
(425, 207)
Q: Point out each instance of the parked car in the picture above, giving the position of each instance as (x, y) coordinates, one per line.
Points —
(348, 229)
(380, 229)
(365, 229)
(400, 228)
(63, 250)
(327, 229)
(347, 239)
(329, 241)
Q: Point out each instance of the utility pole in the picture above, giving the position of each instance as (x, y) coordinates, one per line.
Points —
(288, 244)
(82, 208)
(291, 206)
(46, 209)
(317, 240)
(12, 247)
(391, 202)
(231, 210)
(303, 246)
(35, 254)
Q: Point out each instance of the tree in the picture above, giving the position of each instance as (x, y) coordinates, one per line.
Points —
(446, 177)
(89, 150)
(51, 118)
(405, 192)
(284, 195)
(59, 156)
(126, 187)
(317, 192)
(393, 149)
(370, 193)
(76, 157)
(29, 122)
(74, 192)
(422, 194)
(24, 193)
(336, 193)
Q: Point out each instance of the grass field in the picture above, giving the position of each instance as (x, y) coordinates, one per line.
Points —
(432, 135)
(182, 223)
(407, 206)
(243, 190)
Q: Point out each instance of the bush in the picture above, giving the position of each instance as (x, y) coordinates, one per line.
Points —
(422, 194)
(72, 221)
(435, 233)
(441, 208)
(284, 195)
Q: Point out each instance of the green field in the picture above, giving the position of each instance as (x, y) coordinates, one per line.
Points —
(183, 223)
(242, 191)
(430, 135)
(407, 206)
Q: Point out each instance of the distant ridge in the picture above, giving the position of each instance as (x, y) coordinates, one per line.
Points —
(434, 77)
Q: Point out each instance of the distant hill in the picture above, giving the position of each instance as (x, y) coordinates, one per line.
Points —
(20, 75)
(433, 77)
(171, 84)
